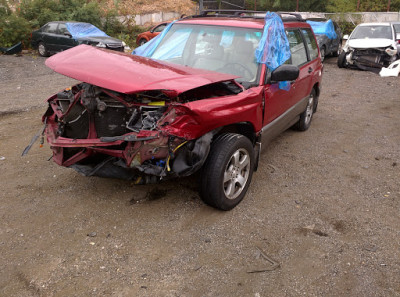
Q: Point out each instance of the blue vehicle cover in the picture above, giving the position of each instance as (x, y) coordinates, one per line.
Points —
(79, 30)
(147, 49)
(327, 28)
(273, 49)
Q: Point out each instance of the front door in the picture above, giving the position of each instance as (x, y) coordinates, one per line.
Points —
(278, 101)
(64, 39)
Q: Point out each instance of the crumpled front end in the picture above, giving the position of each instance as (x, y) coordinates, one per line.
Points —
(371, 58)
(144, 136)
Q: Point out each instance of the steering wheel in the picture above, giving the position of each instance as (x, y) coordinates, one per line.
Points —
(237, 69)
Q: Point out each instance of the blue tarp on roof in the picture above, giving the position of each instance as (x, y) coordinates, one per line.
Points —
(325, 28)
(79, 30)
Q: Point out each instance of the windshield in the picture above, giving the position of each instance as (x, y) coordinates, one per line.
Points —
(218, 48)
(362, 32)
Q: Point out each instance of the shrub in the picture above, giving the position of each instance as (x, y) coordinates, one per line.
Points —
(14, 29)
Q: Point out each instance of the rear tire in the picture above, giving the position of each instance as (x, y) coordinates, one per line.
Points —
(42, 50)
(306, 116)
(227, 173)
(339, 50)
(323, 53)
(341, 61)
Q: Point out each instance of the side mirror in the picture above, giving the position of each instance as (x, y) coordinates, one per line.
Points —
(68, 34)
(285, 73)
(345, 37)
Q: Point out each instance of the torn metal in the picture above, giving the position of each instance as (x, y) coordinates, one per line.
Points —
(144, 136)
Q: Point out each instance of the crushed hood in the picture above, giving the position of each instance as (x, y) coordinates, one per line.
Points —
(370, 43)
(129, 74)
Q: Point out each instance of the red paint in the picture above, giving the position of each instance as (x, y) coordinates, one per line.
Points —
(127, 73)
(147, 35)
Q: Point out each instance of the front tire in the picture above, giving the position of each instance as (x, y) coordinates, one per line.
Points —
(42, 50)
(228, 171)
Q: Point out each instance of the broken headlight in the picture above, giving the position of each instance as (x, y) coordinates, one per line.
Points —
(391, 51)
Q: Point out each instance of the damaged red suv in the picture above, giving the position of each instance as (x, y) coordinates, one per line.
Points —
(198, 101)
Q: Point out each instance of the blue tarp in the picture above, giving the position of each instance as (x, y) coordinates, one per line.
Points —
(327, 28)
(147, 49)
(273, 49)
(79, 30)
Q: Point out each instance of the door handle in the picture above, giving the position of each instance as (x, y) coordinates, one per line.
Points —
(310, 70)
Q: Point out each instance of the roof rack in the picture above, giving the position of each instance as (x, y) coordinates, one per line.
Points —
(285, 16)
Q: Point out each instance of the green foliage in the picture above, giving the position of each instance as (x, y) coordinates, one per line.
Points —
(287, 5)
(14, 29)
(39, 12)
(4, 9)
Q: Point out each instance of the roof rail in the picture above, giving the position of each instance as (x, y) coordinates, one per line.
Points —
(285, 16)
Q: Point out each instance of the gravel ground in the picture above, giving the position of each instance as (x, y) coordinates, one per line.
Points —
(321, 217)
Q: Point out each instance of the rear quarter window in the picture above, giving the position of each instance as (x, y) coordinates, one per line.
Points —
(311, 43)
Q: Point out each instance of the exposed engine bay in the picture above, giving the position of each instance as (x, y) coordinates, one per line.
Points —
(101, 132)
(372, 58)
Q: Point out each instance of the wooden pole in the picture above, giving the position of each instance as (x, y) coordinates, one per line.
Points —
(358, 5)
(388, 7)
(297, 5)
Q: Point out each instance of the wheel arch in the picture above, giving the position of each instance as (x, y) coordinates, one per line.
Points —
(243, 128)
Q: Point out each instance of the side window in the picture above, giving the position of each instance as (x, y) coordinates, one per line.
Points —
(297, 48)
(51, 28)
(160, 28)
(62, 29)
(311, 43)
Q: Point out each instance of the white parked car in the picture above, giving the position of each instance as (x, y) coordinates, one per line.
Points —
(370, 46)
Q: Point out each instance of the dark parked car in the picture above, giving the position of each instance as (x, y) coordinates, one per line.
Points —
(329, 36)
(203, 100)
(59, 36)
(153, 32)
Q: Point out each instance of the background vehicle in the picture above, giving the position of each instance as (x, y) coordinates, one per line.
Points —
(59, 36)
(199, 102)
(153, 32)
(396, 28)
(328, 45)
(370, 46)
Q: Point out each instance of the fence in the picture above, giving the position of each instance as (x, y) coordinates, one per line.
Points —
(353, 17)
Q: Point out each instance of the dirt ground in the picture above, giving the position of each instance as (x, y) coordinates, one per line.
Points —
(323, 208)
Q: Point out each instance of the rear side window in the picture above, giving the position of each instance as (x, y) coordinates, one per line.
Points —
(51, 28)
(311, 43)
(160, 28)
(396, 28)
(297, 48)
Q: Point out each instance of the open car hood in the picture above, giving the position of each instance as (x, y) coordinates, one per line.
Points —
(129, 74)
(370, 43)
